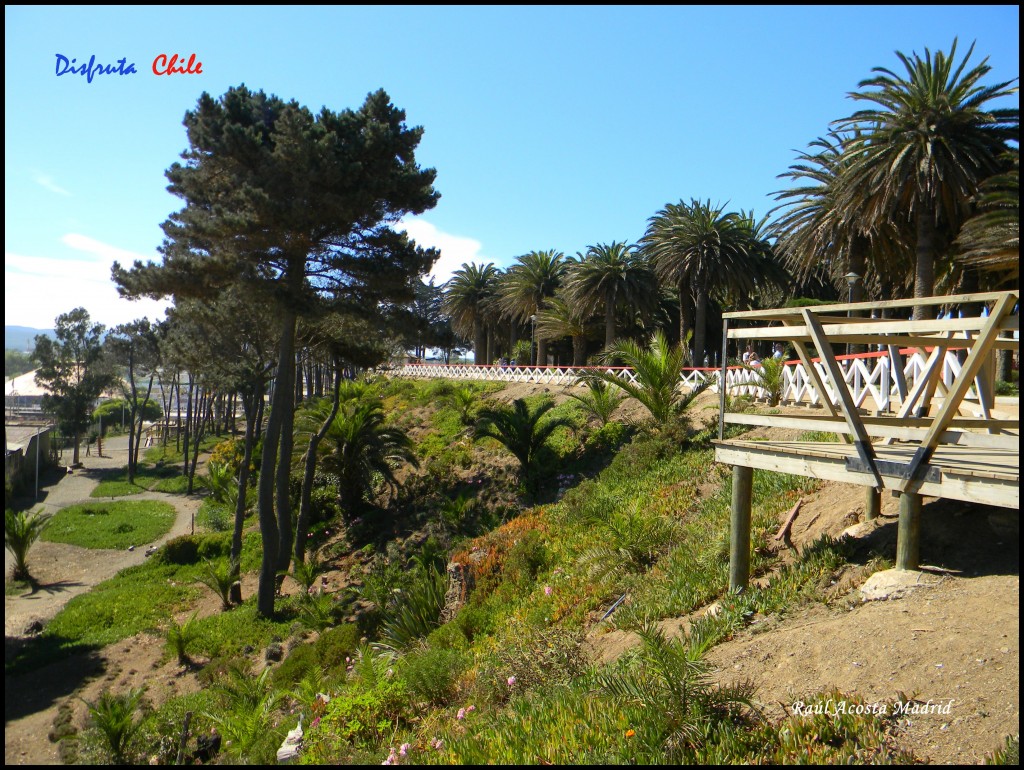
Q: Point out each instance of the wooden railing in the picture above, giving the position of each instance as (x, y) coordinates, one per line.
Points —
(870, 377)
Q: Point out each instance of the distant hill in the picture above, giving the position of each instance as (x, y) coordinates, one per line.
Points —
(22, 337)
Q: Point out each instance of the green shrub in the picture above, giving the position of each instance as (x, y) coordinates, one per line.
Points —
(357, 717)
(335, 645)
(526, 559)
(448, 637)
(215, 516)
(433, 674)
(179, 550)
(300, 661)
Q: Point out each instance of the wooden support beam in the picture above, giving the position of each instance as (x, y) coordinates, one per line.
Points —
(896, 371)
(975, 360)
(892, 304)
(722, 381)
(812, 372)
(908, 535)
(872, 504)
(739, 531)
(861, 440)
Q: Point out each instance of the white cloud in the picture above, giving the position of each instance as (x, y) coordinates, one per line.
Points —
(45, 180)
(455, 249)
(39, 288)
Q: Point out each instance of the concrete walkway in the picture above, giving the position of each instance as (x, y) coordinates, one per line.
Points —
(64, 571)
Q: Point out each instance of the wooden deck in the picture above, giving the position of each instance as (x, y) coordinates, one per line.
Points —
(938, 444)
(972, 474)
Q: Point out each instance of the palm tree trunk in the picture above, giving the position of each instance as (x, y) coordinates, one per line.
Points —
(684, 314)
(579, 350)
(699, 327)
(479, 343)
(924, 271)
(609, 322)
(284, 473)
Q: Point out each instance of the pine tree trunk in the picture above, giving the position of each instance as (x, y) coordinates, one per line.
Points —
(309, 471)
(250, 409)
(267, 518)
(284, 474)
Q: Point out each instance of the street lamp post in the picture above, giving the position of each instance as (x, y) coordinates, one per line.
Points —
(852, 280)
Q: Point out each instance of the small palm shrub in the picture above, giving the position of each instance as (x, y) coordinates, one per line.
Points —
(601, 399)
(181, 636)
(656, 368)
(219, 577)
(521, 430)
(114, 717)
(246, 715)
(306, 572)
(629, 542)
(463, 399)
(21, 530)
(770, 377)
(670, 681)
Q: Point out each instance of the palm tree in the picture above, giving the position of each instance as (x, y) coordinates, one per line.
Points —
(702, 250)
(814, 236)
(601, 399)
(21, 530)
(528, 284)
(990, 241)
(609, 275)
(114, 717)
(656, 368)
(559, 319)
(465, 299)
(520, 430)
(920, 155)
(359, 446)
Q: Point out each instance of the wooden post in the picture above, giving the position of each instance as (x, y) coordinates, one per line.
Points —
(872, 503)
(908, 536)
(739, 533)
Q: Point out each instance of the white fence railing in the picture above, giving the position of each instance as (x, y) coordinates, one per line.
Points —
(869, 376)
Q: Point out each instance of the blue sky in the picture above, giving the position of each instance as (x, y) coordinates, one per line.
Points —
(549, 127)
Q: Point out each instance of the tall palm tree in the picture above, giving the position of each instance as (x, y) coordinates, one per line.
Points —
(703, 251)
(813, 235)
(359, 446)
(466, 296)
(528, 284)
(606, 276)
(559, 319)
(920, 154)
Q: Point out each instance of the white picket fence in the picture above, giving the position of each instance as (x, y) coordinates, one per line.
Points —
(868, 376)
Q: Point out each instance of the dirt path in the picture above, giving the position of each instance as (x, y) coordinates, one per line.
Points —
(64, 571)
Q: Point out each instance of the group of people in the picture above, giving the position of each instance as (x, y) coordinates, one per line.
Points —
(751, 358)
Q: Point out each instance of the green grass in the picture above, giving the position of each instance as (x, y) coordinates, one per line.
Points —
(142, 599)
(118, 524)
(161, 478)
